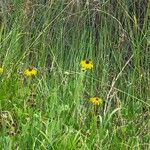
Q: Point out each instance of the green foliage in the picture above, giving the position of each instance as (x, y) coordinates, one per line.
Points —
(51, 111)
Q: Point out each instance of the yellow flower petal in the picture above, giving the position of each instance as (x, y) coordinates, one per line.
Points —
(96, 101)
(30, 72)
(1, 70)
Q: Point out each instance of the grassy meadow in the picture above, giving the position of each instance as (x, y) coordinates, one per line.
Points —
(52, 109)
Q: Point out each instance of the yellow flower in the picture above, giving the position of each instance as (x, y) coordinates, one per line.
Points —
(86, 64)
(96, 101)
(30, 72)
(1, 70)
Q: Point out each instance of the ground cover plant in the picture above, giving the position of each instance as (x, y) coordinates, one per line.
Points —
(75, 75)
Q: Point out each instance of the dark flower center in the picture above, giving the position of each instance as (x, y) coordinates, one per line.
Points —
(30, 69)
(87, 61)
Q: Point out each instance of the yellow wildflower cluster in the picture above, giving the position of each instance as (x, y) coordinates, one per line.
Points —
(96, 101)
(88, 65)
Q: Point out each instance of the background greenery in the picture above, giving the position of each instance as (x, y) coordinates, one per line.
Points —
(52, 111)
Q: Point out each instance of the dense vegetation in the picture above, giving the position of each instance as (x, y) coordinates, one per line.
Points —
(51, 109)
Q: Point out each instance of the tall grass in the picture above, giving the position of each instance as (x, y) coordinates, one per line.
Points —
(52, 110)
